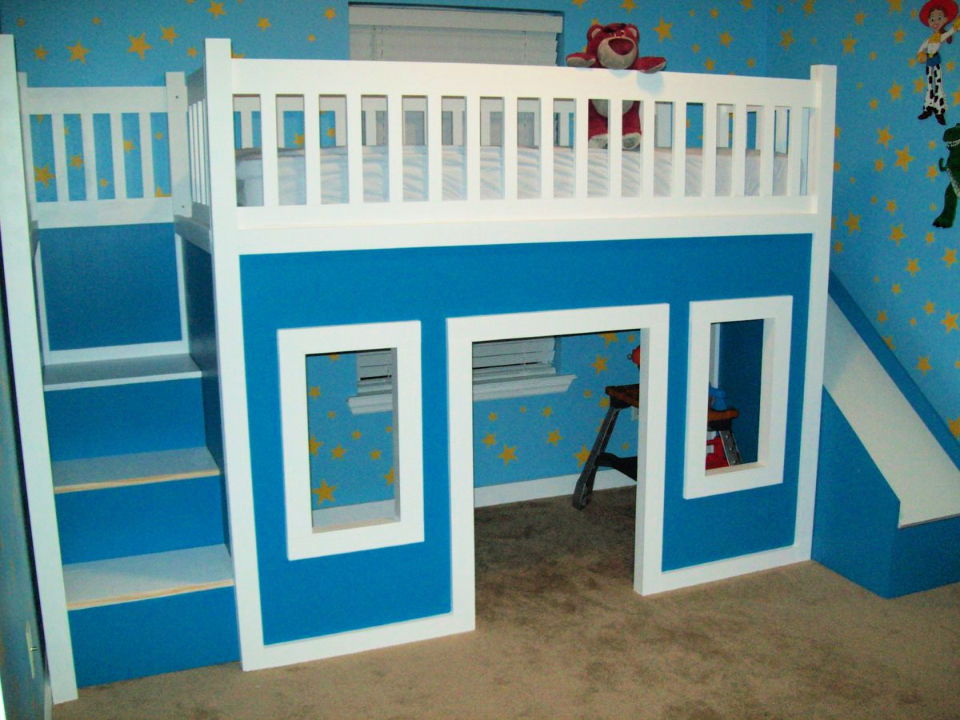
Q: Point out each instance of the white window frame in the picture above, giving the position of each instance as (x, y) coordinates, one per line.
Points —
(306, 538)
(539, 377)
(776, 312)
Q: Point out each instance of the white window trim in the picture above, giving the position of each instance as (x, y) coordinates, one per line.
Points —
(304, 539)
(776, 312)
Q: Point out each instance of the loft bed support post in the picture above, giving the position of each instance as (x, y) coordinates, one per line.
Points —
(218, 130)
(26, 356)
(820, 185)
(177, 133)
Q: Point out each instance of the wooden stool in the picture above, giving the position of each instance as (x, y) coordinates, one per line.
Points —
(622, 397)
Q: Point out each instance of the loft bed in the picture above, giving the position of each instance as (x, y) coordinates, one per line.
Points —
(287, 164)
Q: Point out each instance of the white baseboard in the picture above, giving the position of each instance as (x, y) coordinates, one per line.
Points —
(544, 488)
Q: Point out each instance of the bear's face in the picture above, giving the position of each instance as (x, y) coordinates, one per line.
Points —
(615, 45)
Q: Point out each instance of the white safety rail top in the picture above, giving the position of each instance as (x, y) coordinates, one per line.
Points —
(265, 109)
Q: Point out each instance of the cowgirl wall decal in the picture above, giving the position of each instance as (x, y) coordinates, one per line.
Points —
(936, 14)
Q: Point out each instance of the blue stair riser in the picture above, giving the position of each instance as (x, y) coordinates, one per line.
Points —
(121, 419)
(141, 519)
(149, 637)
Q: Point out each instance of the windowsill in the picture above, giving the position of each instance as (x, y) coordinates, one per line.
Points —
(483, 390)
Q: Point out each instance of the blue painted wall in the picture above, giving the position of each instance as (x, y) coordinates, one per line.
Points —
(113, 285)
(428, 285)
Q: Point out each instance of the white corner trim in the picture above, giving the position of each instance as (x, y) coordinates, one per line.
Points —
(776, 312)
(405, 523)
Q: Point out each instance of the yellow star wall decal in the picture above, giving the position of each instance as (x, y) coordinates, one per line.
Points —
(895, 91)
(852, 223)
(913, 266)
(390, 477)
(263, 23)
(582, 455)
(950, 321)
(78, 52)
(315, 445)
(904, 158)
(168, 34)
(923, 364)
(40, 53)
(338, 452)
(375, 454)
(949, 256)
(139, 45)
(324, 493)
(508, 454)
(725, 39)
(43, 175)
(600, 364)
(786, 39)
(955, 427)
(489, 440)
(629, 5)
(216, 9)
(663, 30)
(553, 437)
(882, 316)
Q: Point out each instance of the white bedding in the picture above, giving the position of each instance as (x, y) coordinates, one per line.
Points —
(333, 182)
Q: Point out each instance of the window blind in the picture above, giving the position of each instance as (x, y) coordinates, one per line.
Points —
(379, 32)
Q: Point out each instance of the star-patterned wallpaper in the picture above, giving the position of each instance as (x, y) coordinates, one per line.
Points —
(515, 439)
(901, 270)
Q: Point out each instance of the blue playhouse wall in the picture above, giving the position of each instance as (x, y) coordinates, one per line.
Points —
(427, 285)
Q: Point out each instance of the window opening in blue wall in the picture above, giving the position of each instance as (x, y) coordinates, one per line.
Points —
(550, 435)
(353, 477)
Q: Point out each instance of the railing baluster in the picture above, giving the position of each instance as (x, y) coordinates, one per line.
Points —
(708, 171)
(89, 156)
(311, 148)
(678, 150)
(268, 145)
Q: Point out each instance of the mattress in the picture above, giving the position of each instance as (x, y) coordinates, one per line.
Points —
(333, 181)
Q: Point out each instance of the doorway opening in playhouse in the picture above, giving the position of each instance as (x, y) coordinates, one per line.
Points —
(521, 451)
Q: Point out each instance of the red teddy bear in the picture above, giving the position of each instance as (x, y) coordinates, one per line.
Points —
(616, 47)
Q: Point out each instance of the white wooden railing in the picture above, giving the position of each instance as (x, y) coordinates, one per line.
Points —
(92, 184)
(393, 105)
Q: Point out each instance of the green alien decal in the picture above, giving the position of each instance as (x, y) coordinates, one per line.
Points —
(951, 137)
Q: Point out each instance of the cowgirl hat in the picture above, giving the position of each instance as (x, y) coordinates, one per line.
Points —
(947, 7)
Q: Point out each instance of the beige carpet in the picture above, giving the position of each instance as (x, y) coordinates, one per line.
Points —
(562, 635)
